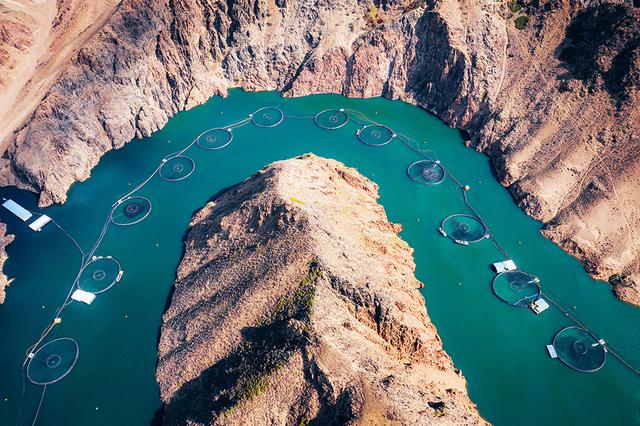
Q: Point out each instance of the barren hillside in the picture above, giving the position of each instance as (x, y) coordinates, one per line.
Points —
(289, 309)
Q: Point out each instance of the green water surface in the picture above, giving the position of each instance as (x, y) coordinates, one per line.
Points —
(500, 349)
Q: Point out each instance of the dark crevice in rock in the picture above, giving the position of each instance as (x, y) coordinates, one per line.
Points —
(601, 47)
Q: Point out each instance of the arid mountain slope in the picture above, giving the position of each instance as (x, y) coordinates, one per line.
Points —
(37, 40)
(553, 101)
(290, 308)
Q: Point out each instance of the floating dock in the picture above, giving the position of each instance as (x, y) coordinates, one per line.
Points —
(504, 266)
(39, 223)
(17, 210)
(539, 306)
(552, 351)
(83, 296)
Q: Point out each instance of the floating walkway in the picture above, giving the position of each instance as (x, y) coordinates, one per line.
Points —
(39, 223)
(17, 210)
(25, 215)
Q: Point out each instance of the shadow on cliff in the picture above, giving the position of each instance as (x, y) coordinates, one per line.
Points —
(239, 377)
(601, 48)
(436, 74)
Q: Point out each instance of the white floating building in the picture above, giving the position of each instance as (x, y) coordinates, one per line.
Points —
(507, 265)
(539, 306)
(83, 296)
(39, 223)
(17, 210)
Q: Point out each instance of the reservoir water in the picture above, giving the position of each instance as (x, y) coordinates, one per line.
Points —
(500, 349)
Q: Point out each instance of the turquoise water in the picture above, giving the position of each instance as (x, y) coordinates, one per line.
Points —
(500, 349)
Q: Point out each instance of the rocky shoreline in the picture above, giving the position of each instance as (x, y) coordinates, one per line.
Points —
(555, 107)
(296, 302)
(5, 240)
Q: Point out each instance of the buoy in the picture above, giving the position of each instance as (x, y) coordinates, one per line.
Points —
(57, 320)
(467, 187)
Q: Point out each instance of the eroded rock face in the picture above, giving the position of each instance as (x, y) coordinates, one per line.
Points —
(5, 240)
(296, 300)
(554, 107)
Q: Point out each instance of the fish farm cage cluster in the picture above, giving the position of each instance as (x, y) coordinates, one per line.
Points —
(49, 362)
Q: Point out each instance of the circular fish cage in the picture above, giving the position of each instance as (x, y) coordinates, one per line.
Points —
(579, 349)
(99, 275)
(267, 117)
(516, 288)
(463, 229)
(375, 135)
(214, 139)
(177, 168)
(131, 211)
(53, 361)
(426, 172)
(331, 119)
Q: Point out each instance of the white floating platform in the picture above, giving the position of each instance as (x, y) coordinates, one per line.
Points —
(507, 265)
(40, 222)
(552, 351)
(539, 306)
(17, 210)
(83, 296)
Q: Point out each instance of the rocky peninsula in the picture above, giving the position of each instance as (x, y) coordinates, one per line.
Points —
(548, 89)
(296, 301)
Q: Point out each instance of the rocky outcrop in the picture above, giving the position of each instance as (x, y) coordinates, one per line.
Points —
(296, 301)
(554, 106)
(37, 39)
(5, 240)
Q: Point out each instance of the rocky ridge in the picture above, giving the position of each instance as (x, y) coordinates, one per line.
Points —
(555, 107)
(295, 302)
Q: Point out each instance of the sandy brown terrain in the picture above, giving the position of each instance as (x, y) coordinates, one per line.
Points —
(37, 39)
(554, 103)
(295, 302)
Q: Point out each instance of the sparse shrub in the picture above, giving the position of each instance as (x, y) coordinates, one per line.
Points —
(616, 279)
(521, 22)
(564, 86)
(514, 6)
(374, 16)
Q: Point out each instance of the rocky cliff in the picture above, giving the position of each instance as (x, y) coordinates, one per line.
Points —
(295, 302)
(548, 89)
(4, 241)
